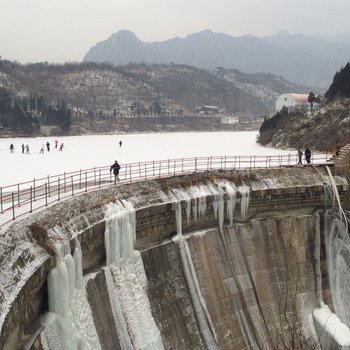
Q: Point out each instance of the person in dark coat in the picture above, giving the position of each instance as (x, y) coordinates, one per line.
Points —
(115, 167)
(307, 155)
(337, 148)
(300, 155)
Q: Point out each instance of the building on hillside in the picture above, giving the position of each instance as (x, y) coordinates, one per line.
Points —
(294, 102)
(230, 120)
(208, 110)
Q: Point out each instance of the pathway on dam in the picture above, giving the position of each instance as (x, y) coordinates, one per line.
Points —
(23, 198)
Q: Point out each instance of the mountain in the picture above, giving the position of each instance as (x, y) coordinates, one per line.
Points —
(298, 58)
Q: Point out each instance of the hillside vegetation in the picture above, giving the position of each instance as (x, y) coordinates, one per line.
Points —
(319, 129)
(91, 97)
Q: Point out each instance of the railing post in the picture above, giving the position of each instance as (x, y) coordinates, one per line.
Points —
(168, 166)
(239, 162)
(182, 165)
(34, 189)
(18, 196)
(45, 194)
(31, 199)
(79, 179)
(48, 185)
(195, 164)
(153, 169)
(85, 181)
(130, 173)
(58, 190)
(160, 166)
(145, 171)
(72, 185)
(13, 207)
(99, 178)
(140, 174)
(95, 175)
(208, 163)
(64, 181)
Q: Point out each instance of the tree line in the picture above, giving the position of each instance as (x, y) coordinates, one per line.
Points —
(28, 113)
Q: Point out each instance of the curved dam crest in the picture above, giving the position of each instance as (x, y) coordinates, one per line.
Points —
(231, 260)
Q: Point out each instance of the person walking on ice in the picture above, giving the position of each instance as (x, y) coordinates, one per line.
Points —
(61, 147)
(115, 167)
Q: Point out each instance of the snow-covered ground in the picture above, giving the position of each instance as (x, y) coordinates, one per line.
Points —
(82, 152)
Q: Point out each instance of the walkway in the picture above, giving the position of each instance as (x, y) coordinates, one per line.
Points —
(21, 199)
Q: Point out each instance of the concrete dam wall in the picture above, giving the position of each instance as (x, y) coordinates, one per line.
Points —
(222, 260)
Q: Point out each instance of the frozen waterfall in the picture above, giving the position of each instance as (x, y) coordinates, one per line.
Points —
(69, 323)
(127, 282)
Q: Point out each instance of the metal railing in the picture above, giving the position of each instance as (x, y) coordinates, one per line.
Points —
(25, 197)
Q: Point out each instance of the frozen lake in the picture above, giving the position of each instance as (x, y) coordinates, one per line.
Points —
(81, 152)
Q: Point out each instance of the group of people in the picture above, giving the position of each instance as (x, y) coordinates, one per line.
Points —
(307, 154)
(26, 149)
(48, 146)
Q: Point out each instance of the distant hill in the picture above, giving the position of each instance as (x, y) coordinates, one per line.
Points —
(340, 86)
(298, 58)
(103, 92)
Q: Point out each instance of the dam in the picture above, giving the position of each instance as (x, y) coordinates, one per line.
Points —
(234, 259)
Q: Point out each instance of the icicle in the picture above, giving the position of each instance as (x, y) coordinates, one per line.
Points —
(195, 209)
(178, 218)
(188, 211)
(71, 325)
(79, 281)
(127, 281)
(244, 192)
(119, 234)
(231, 202)
(204, 321)
(202, 206)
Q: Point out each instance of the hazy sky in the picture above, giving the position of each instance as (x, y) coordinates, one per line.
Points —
(64, 30)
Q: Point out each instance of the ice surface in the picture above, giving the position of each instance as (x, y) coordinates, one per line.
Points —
(331, 329)
(82, 152)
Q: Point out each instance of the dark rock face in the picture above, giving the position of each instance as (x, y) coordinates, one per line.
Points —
(256, 277)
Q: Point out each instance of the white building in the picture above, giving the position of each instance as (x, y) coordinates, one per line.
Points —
(292, 102)
(229, 120)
